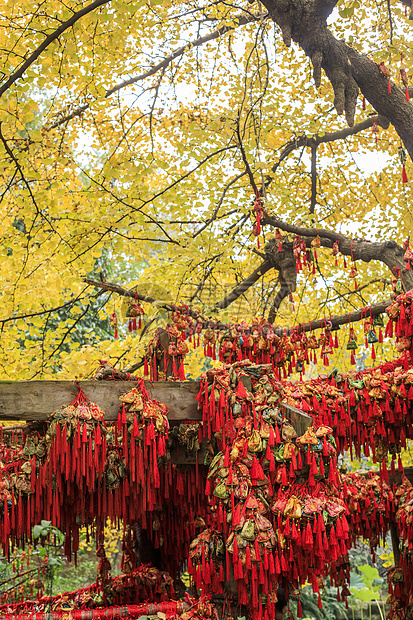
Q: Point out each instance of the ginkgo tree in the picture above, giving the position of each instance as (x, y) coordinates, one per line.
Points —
(178, 150)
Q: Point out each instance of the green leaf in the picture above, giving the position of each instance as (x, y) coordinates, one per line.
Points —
(369, 574)
(55, 561)
(365, 594)
(45, 524)
(348, 12)
(37, 531)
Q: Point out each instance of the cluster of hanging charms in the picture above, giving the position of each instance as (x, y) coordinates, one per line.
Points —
(77, 471)
(352, 345)
(259, 216)
(301, 254)
(258, 342)
(144, 583)
(262, 343)
(113, 320)
(370, 502)
(371, 412)
(134, 314)
(142, 429)
(54, 470)
(400, 577)
(370, 336)
(278, 515)
(408, 254)
(144, 426)
(164, 358)
(401, 324)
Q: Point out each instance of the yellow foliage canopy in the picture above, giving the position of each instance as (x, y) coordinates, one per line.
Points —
(130, 146)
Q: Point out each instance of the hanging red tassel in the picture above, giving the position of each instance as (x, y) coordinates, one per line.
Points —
(404, 175)
(299, 609)
(241, 392)
(389, 329)
(256, 470)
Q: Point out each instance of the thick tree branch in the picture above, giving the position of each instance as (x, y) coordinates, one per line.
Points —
(332, 322)
(344, 319)
(281, 259)
(239, 290)
(47, 41)
(304, 21)
(283, 292)
(392, 105)
(388, 252)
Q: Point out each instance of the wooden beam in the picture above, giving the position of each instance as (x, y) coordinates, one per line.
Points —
(36, 400)
(395, 541)
(300, 420)
(397, 477)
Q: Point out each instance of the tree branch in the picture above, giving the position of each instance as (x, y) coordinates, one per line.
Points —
(283, 292)
(313, 199)
(304, 21)
(241, 288)
(116, 288)
(331, 136)
(388, 252)
(41, 313)
(245, 160)
(343, 319)
(242, 20)
(217, 208)
(333, 322)
(48, 40)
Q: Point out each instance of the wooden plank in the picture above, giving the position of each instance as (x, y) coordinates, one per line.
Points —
(395, 541)
(180, 457)
(36, 400)
(300, 420)
(397, 477)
